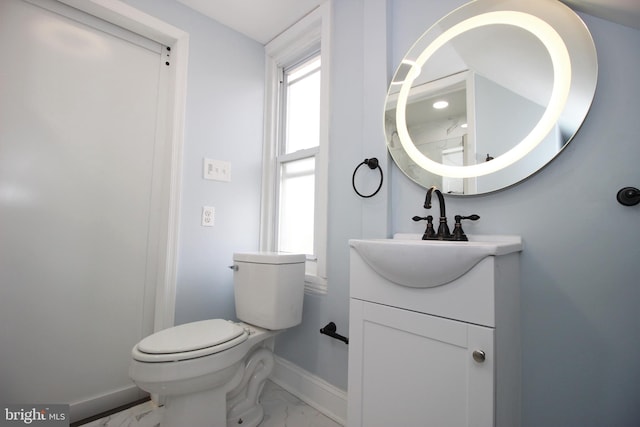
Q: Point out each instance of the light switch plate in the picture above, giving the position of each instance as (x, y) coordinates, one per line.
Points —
(217, 170)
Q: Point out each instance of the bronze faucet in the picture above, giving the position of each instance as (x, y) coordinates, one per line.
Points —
(443, 229)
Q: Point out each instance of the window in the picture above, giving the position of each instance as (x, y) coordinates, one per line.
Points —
(299, 141)
(296, 145)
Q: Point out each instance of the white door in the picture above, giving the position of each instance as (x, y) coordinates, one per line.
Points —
(453, 157)
(81, 166)
(413, 369)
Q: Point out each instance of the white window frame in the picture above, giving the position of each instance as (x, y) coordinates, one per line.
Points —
(303, 38)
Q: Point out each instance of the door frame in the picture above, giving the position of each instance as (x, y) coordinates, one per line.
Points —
(136, 21)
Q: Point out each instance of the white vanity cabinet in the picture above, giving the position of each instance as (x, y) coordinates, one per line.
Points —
(438, 356)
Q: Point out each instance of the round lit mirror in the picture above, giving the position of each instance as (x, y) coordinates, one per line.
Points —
(490, 94)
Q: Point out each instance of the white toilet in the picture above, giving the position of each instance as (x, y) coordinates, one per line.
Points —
(210, 373)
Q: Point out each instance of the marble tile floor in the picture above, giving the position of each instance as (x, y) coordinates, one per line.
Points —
(281, 409)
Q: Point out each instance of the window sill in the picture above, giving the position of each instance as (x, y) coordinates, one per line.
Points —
(315, 285)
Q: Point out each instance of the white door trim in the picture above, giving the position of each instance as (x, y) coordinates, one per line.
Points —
(126, 16)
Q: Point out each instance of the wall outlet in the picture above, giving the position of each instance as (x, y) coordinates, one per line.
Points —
(208, 216)
(217, 170)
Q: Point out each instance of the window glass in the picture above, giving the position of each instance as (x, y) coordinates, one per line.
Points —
(302, 106)
(296, 213)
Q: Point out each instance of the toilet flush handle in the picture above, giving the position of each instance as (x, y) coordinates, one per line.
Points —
(234, 267)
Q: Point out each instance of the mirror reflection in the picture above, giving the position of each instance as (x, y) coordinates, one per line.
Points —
(484, 91)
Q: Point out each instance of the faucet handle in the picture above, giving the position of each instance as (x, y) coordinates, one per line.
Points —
(458, 234)
(473, 217)
(429, 233)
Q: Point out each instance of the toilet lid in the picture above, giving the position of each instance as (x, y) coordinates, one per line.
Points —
(191, 337)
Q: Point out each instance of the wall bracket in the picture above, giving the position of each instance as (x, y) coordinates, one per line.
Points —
(330, 330)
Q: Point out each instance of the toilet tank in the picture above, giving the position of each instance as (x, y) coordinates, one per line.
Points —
(269, 288)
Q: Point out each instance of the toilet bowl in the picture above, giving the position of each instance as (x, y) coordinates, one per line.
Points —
(210, 373)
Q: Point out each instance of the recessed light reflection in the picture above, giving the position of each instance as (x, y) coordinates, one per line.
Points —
(439, 105)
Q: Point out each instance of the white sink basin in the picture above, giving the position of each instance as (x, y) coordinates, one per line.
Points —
(409, 261)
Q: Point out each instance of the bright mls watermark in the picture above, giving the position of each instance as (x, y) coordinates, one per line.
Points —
(34, 415)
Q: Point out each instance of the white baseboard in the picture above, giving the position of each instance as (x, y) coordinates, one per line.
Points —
(311, 389)
(96, 404)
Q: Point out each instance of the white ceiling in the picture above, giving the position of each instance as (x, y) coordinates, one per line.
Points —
(262, 20)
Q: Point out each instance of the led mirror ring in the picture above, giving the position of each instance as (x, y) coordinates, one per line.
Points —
(559, 94)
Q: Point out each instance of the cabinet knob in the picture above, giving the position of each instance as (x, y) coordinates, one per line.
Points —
(479, 356)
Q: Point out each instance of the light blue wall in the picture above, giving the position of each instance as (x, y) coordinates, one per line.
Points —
(502, 117)
(224, 116)
(580, 286)
(304, 345)
(580, 291)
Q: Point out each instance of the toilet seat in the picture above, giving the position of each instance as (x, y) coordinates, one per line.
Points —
(190, 341)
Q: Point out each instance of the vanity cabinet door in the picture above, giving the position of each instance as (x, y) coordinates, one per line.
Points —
(413, 369)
